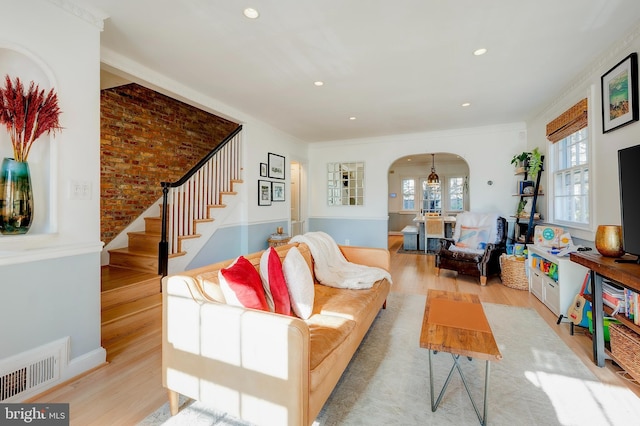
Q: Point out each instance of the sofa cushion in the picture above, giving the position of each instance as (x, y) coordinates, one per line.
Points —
(345, 303)
(242, 286)
(299, 282)
(325, 334)
(273, 281)
(472, 236)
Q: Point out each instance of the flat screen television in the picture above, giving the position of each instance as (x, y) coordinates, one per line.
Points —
(629, 172)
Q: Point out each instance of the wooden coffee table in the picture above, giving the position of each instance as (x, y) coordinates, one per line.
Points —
(456, 323)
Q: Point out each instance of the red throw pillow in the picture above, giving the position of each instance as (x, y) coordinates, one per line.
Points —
(241, 285)
(277, 284)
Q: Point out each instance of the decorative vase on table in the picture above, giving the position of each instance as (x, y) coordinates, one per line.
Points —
(609, 240)
(16, 197)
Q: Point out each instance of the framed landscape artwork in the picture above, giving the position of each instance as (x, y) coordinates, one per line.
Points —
(264, 193)
(276, 166)
(620, 94)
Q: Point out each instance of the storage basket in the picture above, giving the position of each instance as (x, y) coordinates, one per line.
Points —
(512, 272)
(625, 347)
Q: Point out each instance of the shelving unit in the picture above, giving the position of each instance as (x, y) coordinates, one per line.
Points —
(523, 230)
(556, 290)
(624, 274)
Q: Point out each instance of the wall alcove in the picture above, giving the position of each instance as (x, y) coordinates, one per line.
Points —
(17, 62)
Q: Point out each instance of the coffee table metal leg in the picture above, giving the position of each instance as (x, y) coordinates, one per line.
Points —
(456, 366)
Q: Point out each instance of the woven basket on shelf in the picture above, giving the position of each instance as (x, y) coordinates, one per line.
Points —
(625, 347)
(512, 273)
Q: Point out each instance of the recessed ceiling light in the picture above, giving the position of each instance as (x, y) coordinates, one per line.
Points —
(352, 118)
(319, 83)
(251, 13)
(466, 104)
(480, 51)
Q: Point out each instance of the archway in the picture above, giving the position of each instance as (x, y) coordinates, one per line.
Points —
(408, 175)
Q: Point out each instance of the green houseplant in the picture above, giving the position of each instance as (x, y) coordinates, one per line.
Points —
(521, 160)
(531, 161)
(535, 162)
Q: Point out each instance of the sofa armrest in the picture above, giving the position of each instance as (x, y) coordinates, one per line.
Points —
(369, 256)
(249, 363)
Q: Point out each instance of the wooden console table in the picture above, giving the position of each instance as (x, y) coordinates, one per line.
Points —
(625, 274)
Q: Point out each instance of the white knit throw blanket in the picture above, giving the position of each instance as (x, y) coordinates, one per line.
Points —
(332, 269)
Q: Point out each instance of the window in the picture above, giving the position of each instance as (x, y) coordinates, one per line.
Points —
(408, 194)
(456, 194)
(431, 198)
(571, 179)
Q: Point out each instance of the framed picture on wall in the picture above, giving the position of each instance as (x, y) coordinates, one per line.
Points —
(263, 169)
(264, 193)
(277, 191)
(276, 166)
(620, 94)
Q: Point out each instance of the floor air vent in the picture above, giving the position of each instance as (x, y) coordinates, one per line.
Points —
(23, 375)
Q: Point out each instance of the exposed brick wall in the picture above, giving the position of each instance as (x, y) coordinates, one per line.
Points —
(147, 138)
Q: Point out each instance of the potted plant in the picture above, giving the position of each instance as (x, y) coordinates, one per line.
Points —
(27, 115)
(535, 162)
(521, 160)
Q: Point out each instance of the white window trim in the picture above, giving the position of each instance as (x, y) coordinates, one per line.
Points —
(587, 231)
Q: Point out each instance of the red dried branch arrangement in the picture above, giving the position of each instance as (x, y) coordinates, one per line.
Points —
(27, 115)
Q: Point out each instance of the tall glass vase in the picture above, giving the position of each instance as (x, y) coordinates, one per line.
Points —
(16, 197)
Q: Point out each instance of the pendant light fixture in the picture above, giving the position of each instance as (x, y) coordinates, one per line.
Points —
(433, 178)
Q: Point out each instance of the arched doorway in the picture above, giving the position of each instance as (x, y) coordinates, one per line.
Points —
(410, 195)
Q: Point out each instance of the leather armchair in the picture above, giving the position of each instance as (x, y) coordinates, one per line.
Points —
(477, 263)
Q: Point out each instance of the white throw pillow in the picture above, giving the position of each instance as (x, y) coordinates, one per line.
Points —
(299, 282)
(264, 275)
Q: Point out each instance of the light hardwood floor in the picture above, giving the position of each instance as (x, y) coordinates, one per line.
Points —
(129, 388)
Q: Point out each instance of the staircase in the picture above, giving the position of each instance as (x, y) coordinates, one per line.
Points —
(131, 283)
(131, 303)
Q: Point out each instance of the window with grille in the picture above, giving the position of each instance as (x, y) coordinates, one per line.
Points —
(456, 194)
(408, 194)
(431, 197)
(571, 179)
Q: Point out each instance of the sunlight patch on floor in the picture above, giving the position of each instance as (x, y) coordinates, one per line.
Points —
(601, 403)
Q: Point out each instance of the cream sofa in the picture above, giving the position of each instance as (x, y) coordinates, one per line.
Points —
(258, 366)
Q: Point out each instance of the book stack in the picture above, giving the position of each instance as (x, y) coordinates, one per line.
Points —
(630, 306)
(613, 296)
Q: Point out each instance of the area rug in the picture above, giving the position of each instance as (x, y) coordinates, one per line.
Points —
(539, 381)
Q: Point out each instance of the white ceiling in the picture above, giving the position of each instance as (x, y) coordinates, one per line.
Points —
(399, 66)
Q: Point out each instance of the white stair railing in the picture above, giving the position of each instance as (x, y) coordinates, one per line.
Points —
(189, 199)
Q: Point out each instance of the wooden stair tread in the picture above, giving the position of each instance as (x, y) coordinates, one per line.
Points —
(131, 308)
(126, 250)
(146, 233)
(189, 237)
(115, 277)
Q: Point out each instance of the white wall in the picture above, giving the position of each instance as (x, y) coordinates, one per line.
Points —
(51, 276)
(487, 151)
(605, 146)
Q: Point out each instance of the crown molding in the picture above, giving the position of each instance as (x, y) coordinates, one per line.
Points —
(605, 60)
(94, 17)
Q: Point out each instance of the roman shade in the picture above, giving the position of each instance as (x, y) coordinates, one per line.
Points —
(570, 121)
